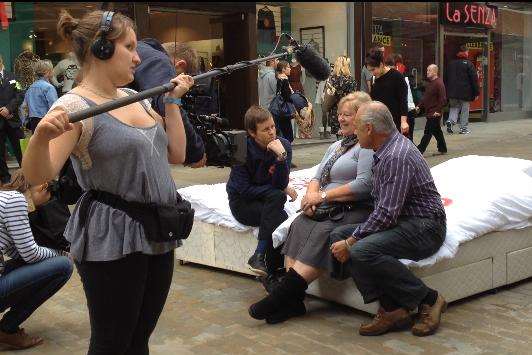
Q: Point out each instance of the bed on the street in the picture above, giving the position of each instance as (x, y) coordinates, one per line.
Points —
(488, 202)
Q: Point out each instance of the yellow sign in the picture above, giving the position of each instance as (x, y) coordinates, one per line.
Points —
(382, 39)
(478, 45)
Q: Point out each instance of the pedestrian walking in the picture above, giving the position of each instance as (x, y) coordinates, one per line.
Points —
(432, 102)
(462, 88)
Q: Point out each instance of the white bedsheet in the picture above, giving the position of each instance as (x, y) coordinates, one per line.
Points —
(481, 194)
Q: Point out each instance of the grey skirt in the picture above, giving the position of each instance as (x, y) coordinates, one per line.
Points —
(308, 240)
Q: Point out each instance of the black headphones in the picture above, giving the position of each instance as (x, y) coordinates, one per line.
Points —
(103, 48)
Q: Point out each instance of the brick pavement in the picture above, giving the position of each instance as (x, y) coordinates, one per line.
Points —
(206, 311)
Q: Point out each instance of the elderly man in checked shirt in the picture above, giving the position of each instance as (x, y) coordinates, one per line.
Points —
(408, 222)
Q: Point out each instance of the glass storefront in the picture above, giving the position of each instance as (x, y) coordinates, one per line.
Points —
(512, 46)
(225, 33)
(322, 25)
(408, 29)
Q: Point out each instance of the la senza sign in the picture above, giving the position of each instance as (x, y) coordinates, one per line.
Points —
(469, 14)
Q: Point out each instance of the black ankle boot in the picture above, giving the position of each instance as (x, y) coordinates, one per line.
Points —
(287, 311)
(290, 290)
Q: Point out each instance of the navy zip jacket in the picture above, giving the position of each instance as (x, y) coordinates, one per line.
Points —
(156, 69)
(261, 173)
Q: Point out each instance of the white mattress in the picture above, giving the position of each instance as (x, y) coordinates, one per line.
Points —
(481, 194)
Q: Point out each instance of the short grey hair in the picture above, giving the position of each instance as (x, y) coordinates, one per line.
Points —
(42, 67)
(433, 66)
(377, 114)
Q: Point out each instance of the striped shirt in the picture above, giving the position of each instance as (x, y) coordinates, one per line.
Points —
(402, 186)
(16, 239)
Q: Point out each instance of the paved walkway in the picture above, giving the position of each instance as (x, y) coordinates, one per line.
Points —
(206, 311)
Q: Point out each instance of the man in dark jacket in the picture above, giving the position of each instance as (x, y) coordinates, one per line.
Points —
(432, 102)
(10, 99)
(462, 88)
(257, 189)
(156, 69)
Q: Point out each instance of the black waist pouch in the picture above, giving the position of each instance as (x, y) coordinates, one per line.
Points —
(161, 223)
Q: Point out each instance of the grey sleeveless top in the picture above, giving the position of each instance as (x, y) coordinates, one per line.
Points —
(128, 161)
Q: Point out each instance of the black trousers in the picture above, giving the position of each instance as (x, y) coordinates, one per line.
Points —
(125, 298)
(433, 128)
(13, 135)
(411, 119)
(375, 265)
(267, 213)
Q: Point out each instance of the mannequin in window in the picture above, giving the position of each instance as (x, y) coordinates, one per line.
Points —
(266, 34)
(67, 69)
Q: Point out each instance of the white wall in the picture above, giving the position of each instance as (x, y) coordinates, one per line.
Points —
(331, 15)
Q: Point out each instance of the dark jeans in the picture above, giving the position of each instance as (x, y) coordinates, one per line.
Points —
(125, 298)
(24, 287)
(13, 135)
(433, 128)
(267, 213)
(411, 119)
(375, 265)
(284, 128)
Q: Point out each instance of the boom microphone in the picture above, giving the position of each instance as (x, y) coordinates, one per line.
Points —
(310, 60)
(306, 55)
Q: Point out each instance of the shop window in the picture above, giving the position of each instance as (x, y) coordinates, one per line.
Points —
(408, 29)
(512, 45)
(322, 25)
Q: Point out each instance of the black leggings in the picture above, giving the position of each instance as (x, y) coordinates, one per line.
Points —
(125, 298)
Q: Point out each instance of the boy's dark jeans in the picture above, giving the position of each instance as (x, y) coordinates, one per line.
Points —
(267, 213)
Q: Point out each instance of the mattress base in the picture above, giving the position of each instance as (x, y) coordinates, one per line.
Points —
(490, 261)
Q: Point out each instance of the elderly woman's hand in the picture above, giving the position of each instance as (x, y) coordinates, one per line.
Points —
(340, 251)
(311, 199)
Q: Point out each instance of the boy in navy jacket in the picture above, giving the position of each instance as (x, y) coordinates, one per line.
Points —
(257, 189)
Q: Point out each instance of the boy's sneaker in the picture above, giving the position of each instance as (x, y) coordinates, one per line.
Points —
(257, 264)
(449, 127)
(465, 131)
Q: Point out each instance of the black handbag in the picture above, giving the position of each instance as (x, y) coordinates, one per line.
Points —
(48, 223)
(333, 211)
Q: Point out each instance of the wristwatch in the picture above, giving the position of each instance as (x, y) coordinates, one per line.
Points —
(282, 157)
(323, 195)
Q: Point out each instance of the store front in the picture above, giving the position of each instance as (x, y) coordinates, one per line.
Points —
(499, 41)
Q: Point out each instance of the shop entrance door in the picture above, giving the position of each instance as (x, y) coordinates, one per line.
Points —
(478, 54)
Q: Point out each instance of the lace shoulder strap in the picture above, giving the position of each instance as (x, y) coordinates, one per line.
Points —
(73, 103)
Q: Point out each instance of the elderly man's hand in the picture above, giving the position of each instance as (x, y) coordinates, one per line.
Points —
(340, 251)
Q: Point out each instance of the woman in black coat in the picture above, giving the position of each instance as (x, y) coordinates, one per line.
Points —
(389, 87)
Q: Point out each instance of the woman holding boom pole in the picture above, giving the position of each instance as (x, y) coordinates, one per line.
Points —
(121, 161)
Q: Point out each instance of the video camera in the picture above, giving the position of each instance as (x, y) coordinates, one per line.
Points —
(223, 148)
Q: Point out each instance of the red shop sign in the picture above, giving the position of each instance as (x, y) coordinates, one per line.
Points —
(469, 14)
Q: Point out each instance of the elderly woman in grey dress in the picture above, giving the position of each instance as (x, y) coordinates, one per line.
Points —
(338, 194)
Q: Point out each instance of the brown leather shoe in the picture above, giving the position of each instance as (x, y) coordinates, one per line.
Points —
(429, 318)
(19, 340)
(387, 321)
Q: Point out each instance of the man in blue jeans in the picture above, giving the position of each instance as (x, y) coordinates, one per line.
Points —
(408, 222)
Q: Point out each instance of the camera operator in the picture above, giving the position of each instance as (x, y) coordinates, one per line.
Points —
(156, 68)
(257, 189)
